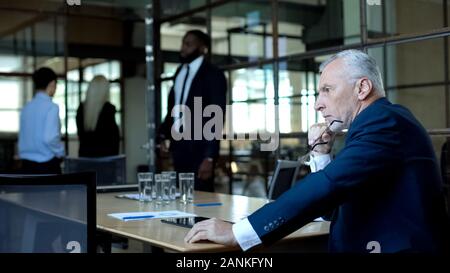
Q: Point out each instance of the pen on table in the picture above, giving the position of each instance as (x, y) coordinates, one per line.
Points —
(207, 204)
(137, 217)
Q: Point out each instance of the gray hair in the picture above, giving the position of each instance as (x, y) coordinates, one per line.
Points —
(359, 64)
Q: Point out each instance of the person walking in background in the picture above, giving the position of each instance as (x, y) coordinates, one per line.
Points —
(195, 78)
(40, 146)
(98, 132)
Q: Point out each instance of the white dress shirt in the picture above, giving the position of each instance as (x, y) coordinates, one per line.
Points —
(193, 69)
(178, 88)
(318, 162)
(243, 231)
(40, 130)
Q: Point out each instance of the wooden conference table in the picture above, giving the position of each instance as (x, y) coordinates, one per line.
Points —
(310, 238)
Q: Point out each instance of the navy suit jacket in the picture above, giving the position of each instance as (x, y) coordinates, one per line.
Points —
(384, 186)
(210, 85)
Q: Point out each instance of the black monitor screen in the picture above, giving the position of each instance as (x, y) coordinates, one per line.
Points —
(283, 182)
(43, 218)
(109, 170)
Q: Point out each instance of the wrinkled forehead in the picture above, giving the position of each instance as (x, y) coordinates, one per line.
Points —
(332, 73)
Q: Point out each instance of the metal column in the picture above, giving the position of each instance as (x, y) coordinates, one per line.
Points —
(150, 92)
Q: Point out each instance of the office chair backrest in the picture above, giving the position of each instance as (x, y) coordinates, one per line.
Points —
(283, 177)
(47, 213)
(110, 169)
(445, 172)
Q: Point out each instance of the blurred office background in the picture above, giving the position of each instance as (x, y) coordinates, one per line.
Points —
(270, 51)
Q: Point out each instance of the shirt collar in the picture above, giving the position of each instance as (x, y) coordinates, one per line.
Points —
(42, 94)
(195, 64)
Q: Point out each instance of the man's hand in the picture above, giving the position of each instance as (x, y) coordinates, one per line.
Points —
(213, 230)
(205, 171)
(314, 136)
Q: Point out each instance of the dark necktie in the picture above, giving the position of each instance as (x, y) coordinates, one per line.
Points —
(184, 84)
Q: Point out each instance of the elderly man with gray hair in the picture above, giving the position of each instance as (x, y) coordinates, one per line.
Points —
(384, 186)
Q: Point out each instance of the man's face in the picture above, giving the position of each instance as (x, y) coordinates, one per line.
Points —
(191, 48)
(337, 99)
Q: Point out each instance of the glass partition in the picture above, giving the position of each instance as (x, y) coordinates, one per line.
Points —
(399, 17)
(241, 32)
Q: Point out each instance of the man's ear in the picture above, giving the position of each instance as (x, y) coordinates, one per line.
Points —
(365, 87)
(51, 88)
(204, 50)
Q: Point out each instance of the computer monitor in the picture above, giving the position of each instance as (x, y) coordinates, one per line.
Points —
(283, 177)
(48, 213)
(110, 170)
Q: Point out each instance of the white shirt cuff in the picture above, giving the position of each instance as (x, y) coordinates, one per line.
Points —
(319, 162)
(245, 235)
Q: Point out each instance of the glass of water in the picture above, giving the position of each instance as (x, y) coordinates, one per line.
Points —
(165, 177)
(145, 181)
(158, 189)
(173, 184)
(187, 187)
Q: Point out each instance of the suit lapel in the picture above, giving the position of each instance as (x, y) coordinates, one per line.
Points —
(195, 89)
(171, 102)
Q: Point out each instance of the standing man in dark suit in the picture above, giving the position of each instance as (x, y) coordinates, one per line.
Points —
(195, 79)
(384, 186)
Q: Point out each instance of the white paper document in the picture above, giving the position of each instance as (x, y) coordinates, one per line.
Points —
(132, 196)
(135, 216)
(135, 196)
